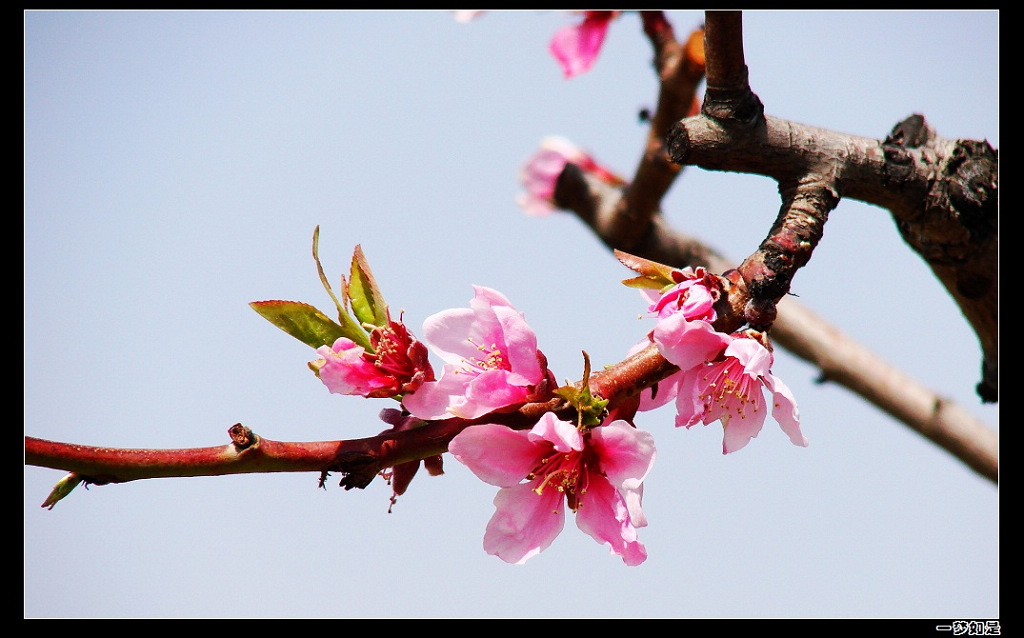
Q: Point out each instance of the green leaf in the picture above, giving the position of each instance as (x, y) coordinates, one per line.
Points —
(352, 328)
(323, 278)
(309, 325)
(363, 293)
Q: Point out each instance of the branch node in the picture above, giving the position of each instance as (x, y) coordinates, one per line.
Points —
(678, 143)
(242, 437)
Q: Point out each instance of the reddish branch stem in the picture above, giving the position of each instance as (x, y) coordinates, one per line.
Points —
(250, 453)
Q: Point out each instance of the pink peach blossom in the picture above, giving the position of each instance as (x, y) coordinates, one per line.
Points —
(731, 389)
(398, 364)
(694, 296)
(599, 474)
(491, 360)
(684, 333)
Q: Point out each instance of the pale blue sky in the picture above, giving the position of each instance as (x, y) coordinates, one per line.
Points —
(176, 164)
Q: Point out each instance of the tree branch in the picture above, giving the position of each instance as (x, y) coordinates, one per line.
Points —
(942, 193)
(680, 68)
(358, 460)
(839, 358)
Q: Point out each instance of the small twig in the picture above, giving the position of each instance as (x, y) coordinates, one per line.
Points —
(680, 67)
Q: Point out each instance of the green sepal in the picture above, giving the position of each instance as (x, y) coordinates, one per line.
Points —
(362, 292)
(652, 274)
(591, 409)
(309, 325)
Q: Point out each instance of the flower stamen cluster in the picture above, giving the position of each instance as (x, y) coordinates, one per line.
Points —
(398, 364)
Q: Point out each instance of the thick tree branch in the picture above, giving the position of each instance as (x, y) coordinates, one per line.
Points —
(908, 173)
(943, 194)
(797, 329)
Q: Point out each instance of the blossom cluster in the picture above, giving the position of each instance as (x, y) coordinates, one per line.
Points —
(594, 467)
(587, 458)
(721, 377)
(492, 363)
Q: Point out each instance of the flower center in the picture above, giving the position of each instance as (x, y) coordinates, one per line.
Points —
(391, 343)
(565, 472)
(490, 359)
(727, 386)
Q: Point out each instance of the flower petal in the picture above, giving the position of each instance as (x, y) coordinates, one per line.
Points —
(446, 333)
(740, 429)
(784, 410)
(626, 455)
(497, 454)
(690, 406)
(604, 516)
(438, 399)
(524, 524)
(576, 47)
(688, 343)
(755, 358)
(562, 435)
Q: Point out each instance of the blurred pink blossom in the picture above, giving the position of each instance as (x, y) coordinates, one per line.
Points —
(540, 173)
(467, 15)
(576, 47)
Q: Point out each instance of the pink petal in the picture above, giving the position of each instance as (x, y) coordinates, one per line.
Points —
(784, 410)
(561, 434)
(535, 206)
(667, 389)
(756, 359)
(446, 333)
(521, 346)
(467, 15)
(603, 515)
(690, 297)
(740, 429)
(690, 407)
(626, 455)
(576, 47)
(345, 371)
(688, 343)
(497, 454)
(525, 523)
(487, 392)
(433, 399)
